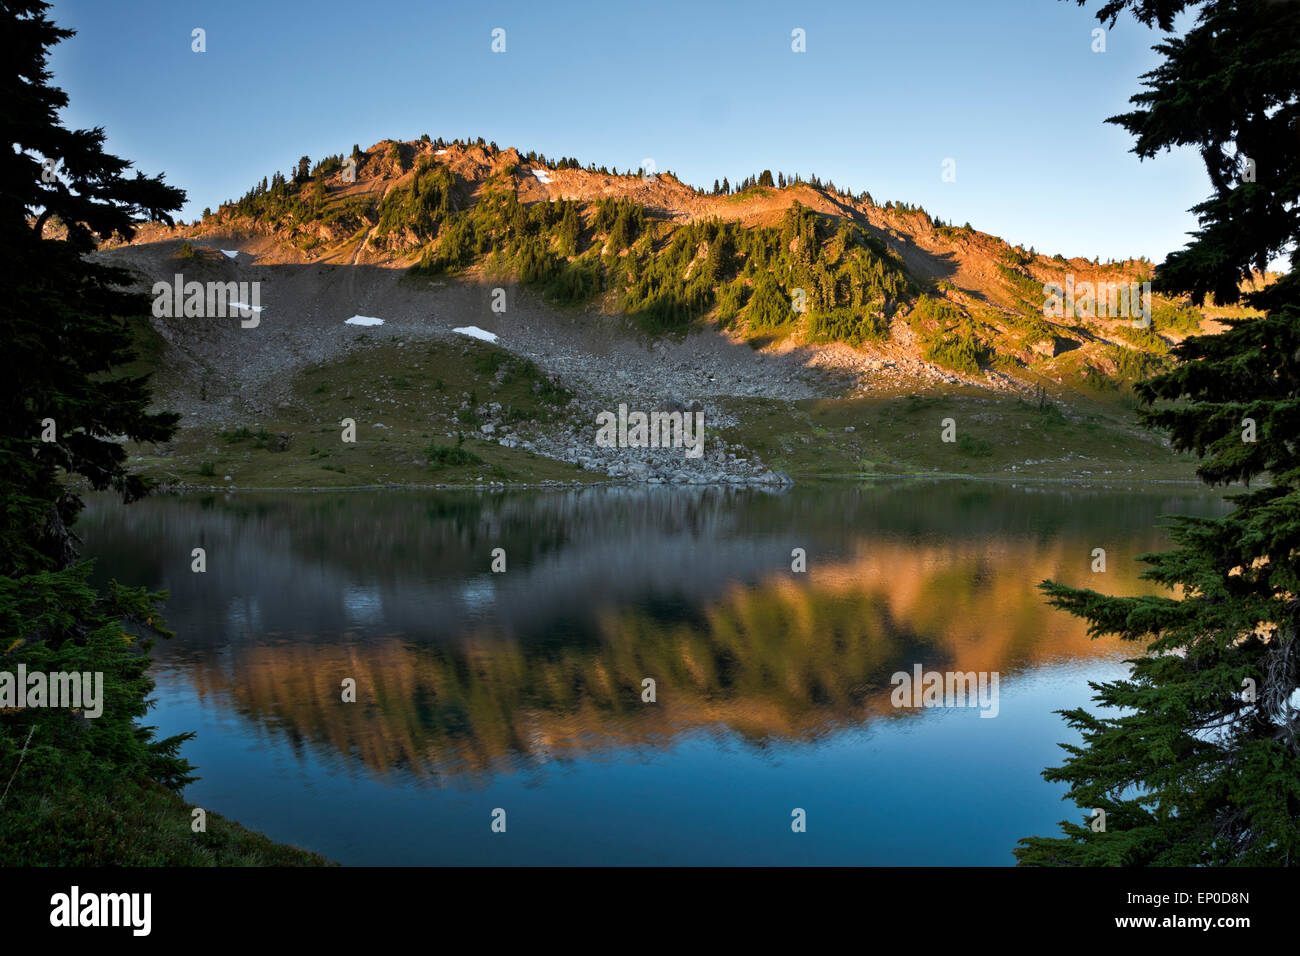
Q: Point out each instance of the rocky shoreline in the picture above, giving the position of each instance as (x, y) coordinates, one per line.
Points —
(719, 462)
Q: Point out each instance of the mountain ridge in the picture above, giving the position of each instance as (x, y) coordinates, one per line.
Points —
(605, 288)
(989, 292)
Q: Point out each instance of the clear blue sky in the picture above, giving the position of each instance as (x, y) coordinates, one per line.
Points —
(1010, 89)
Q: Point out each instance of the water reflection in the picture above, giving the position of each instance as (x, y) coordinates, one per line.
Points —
(465, 676)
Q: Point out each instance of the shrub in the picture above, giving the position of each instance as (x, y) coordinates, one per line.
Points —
(960, 351)
(1145, 339)
(575, 282)
(846, 325)
(731, 300)
(450, 456)
(421, 204)
(1171, 317)
(1033, 330)
(769, 310)
(1132, 365)
(929, 309)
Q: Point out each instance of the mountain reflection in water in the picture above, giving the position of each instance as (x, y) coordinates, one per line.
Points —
(523, 689)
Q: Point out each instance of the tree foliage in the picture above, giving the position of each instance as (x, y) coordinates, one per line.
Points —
(65, 406)
(1196, 759)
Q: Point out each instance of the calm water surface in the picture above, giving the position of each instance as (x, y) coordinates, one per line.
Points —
(523, 690)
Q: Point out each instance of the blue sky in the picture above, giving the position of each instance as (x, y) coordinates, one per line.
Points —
(1009, 89)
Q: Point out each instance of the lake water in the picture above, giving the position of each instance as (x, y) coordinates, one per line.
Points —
(523, 690)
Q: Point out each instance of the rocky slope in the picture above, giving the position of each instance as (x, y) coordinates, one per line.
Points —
(329, 250)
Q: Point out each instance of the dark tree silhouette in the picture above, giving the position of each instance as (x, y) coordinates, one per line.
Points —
(1203, 766)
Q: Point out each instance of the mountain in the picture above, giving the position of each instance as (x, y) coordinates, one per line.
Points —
(630, 286)
(972, 303)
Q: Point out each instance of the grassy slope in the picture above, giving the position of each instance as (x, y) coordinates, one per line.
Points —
(995, 437)
(415, 393)
(129, 825)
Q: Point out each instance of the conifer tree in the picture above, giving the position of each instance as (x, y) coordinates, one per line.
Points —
(1197, 760)
(64, 403)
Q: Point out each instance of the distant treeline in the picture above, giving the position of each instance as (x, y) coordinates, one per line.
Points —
(662, 274)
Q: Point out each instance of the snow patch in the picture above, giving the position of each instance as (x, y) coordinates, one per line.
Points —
(244, 308)
(363, 320)
(230, 253)
(542, 175)
(474, 332)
